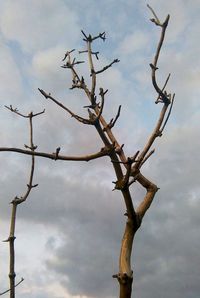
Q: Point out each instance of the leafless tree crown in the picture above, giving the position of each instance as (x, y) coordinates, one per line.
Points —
(128, 169)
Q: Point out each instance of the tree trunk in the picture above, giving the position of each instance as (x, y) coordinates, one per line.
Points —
(126, 287)
(125, 275)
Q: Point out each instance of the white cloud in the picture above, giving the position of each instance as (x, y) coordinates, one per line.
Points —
(38, 25)
(46, 69)
(135, 42)
(10, 77)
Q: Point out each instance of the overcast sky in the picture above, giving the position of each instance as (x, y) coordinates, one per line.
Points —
(69, 230)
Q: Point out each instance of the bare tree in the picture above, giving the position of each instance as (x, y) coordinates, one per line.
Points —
(128, 169)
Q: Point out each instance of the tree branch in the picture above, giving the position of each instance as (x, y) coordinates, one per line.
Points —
(154, 135)
(162, 95)
(80, 119)
(168, 115)
(151, 191)
(18, 200)
(6, 291)
(158, 98)
(101, 153)
(16, 111)
(89, 38)
(80, 83)
(156, 20)
(92, 72)
(107, 66)
(113, 121)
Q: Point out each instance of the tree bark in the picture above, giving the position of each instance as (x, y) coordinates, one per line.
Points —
(126, 287)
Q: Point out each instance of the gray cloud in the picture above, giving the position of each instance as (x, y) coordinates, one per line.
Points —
(76, 222)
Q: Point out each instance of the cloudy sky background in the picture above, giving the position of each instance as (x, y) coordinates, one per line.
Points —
(69, 231)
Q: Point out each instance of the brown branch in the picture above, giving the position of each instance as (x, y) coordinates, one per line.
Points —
(124, 182)
(86, 37)
(32, 149)
(101, 36)
(151, 189)
(162, 95)
(18, 200)
(101, 153)
(93, 53)
(118, 148)
(113, 121)
(76, 80)
(80, 83)
(168, 115)
(158, 98)
(102, 94)
(80, 119)
(154, 135)
(15, 110)
(92, 72)
(67, 54)
(70, 65)
(107, 66)
(166, 99)
(92, 98)
(156, 20)
(93, 117)
(89, 38)
(6, 291)
(11, 240)
(147, 157)
(157, 132)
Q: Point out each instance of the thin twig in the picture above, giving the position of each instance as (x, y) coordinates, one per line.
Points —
(93, 53)
(156, 20)
(169, 113)
(153, 65)
(21, 280)
(77, 117)
(107, 66)
(163, 88)
(89, 38)
(153, 136)
(92, 72)
(113, 121)
(147, 157)
(67, 54)
(16, 111)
